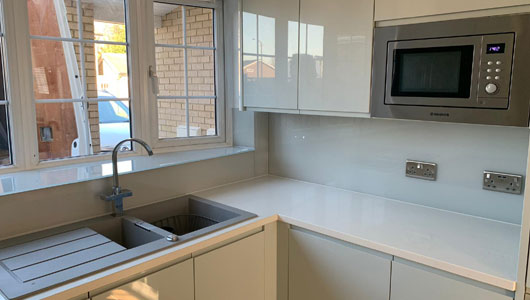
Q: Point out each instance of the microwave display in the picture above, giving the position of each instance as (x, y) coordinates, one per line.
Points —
(495, 48)
(433, 72)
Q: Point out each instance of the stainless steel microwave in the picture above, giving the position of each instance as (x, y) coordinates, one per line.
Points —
(465, 71)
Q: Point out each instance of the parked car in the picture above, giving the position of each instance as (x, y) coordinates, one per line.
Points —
(114, 124)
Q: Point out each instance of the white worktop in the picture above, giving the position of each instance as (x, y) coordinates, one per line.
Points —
(476, 248)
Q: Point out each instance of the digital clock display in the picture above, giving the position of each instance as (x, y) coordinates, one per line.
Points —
(495, 48)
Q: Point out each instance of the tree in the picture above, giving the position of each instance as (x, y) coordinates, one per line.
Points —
(116, 33)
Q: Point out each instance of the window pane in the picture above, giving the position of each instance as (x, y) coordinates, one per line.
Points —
(185, 71)
(63, 133)
(201, 72)
(60, 19)
(114, 124)
(43, 18)
(168, 24)
(108, 75)
(170, 71)
(68, 72)
(199, 26)
(59, 131)
(171, 118)
(202, 117)
(56, 70)
(104, 20)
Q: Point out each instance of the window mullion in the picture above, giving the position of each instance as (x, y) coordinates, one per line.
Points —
(184, 30)
(19, 51)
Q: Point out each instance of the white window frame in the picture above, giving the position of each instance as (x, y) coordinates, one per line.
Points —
(223, 118)
(143, 108)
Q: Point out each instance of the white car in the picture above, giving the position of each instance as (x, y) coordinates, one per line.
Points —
(114, 124)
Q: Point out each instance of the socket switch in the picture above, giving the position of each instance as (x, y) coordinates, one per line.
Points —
(421, 170)
(501, 182)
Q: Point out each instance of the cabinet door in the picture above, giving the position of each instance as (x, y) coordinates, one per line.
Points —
(414, 283)
(175, 282)
(398, 9)
(232, 272)
(270, 47)
(335, 55)
(321, 268)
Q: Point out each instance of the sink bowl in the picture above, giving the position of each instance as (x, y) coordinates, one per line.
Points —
(41, 260)
(127, 231)
(190, 216)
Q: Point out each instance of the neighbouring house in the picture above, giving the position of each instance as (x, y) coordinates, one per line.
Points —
(112, 74)
(259, 69)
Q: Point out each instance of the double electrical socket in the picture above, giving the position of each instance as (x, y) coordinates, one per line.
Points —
(501, 182)
(421, 170)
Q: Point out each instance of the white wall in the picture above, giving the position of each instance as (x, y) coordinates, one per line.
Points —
(369, 156)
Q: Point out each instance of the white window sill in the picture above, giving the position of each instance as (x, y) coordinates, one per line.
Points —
(56, 176)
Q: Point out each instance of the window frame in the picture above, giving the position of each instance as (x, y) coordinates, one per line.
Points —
(143, 110)
(222, 111)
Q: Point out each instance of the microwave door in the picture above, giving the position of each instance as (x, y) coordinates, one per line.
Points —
(434, 72)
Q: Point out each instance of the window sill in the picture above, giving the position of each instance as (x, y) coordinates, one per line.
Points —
(25, 181)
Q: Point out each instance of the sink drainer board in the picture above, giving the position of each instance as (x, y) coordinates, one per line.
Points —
(42, 260)
(46, 256)
(38, 261)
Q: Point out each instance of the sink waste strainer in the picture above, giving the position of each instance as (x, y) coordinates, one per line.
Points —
(183, 224)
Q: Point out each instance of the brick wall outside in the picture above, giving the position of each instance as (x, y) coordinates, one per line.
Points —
(170, 69)
(90, 61)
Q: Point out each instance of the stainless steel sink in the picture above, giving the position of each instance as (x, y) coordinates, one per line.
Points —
(34, 262)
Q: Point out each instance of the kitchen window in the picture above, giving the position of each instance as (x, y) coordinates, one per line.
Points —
(79, 54)
(101, 71)
(186, 73)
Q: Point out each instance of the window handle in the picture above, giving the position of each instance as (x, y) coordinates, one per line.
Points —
(154, 79)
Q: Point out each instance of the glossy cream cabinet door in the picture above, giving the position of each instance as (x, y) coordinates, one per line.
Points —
(419, 283)
(175, 282)
(270, 47)
(324, 268)
(232, 272)
(335, 55)
(399, 9)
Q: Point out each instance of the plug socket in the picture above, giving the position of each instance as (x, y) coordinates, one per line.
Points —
(421, 170)
(502, 182)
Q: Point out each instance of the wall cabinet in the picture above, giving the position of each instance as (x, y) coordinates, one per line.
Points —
(164, 284)
(307, 56)
(232, 272)
(335, 55)
(270, 45)
(323, 268)
(399, 9)
(417, 283)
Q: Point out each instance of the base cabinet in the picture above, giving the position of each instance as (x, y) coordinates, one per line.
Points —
(164, 284)
(232, 272)
(416, 283)
(323, 268)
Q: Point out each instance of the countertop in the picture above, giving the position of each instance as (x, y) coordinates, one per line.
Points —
(480, 249)
(476, 248)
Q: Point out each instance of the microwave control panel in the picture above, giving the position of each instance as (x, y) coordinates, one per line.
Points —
(495, 68)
